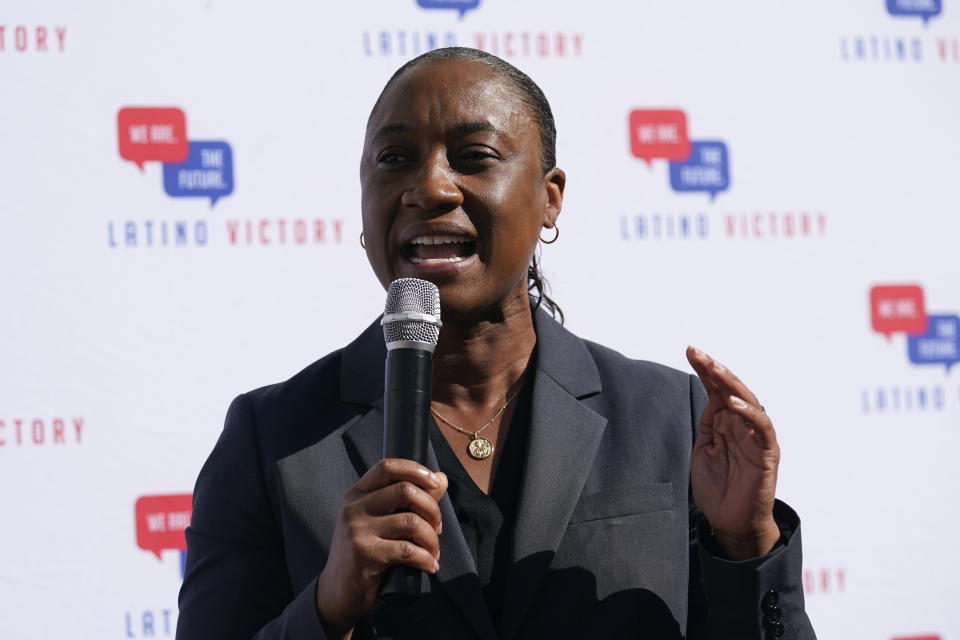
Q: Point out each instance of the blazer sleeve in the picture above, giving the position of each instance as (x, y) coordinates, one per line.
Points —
(235, 584)
(759, 598)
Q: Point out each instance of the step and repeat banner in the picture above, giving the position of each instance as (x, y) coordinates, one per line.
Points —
(775, 183)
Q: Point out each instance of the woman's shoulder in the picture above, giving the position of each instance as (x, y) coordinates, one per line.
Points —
(613, 367)
(613, 362)
(349, 374)
(642, 387)
(319, 380)
(631, 392)
(315, 402)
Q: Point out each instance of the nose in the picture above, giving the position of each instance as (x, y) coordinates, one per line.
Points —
(434, 186)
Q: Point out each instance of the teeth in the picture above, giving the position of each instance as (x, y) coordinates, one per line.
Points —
(439, 239)
(417, 260)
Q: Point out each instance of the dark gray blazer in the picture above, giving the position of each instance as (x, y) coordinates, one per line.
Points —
(607, 542)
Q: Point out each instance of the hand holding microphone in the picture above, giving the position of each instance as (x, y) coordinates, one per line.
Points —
(387, 530)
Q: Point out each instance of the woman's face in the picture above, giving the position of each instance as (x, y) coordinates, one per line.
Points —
(453, 190)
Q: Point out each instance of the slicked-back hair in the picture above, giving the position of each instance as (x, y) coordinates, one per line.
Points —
(532, 96)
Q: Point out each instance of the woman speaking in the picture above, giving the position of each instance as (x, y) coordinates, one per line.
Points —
(570, 492)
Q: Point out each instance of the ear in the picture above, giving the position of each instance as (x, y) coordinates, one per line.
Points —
(554, 181)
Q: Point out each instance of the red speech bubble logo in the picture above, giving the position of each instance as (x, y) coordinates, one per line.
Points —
(897, 308)
(161, 521)
(659, 133)
(152, 134)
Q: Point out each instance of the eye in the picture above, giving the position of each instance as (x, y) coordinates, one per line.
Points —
(474, 158)
(393, 156)
(478, 154)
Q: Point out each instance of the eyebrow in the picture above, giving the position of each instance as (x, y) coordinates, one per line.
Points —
(390, 128)
(474, 127)
(464, 128)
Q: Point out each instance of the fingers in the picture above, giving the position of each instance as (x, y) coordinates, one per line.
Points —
(410, 526)
(754, 417)
(726, 391)
(394, 484)
(392, 470)
(389, 517)
(393, 552)
(716, 397)
(700, 361)
(377, 545)
(393, 516)
(403, 496)
(717, 378)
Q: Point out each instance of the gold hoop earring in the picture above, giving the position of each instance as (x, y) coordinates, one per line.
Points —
(556, 228)
(361, 241)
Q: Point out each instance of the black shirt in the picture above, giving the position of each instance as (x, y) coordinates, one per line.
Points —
(487, 520)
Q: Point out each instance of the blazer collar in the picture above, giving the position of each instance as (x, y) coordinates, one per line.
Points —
(562, 356)
(361, 367)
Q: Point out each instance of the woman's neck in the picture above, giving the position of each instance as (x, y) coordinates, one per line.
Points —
(479, 364)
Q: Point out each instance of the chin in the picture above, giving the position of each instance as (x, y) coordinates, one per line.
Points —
(465, 304)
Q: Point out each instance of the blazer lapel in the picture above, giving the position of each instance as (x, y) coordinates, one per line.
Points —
(564, 437)
(361, 381)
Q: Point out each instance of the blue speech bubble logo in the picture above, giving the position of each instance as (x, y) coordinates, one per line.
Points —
(707, 169)
(206, 173)
(925, 9)
(939, 345)
(459, 5)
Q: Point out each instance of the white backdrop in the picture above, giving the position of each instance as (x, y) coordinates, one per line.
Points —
(134, 310)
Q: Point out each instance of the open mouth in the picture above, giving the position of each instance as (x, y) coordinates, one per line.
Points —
(439, 249)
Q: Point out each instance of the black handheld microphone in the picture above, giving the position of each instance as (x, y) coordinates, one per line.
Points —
(411, 327)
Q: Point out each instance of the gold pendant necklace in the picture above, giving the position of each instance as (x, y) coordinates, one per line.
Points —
(479, 448)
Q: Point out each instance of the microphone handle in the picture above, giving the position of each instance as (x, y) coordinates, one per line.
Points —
(406, 432)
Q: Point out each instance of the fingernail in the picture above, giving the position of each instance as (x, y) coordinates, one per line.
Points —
(435, 479)
(436, 566)
(697, 352)
(737, 402)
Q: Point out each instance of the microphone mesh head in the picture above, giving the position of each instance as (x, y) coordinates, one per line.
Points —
(415, 298)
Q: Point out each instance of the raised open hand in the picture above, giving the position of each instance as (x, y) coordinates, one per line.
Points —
(735, 459)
